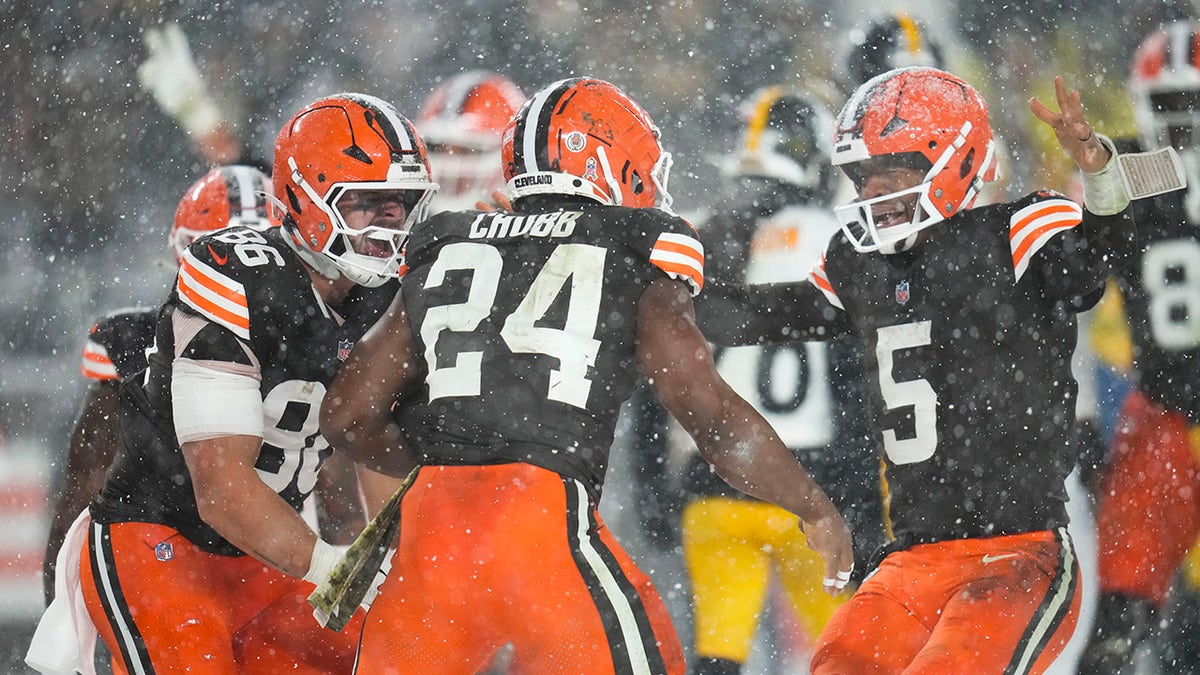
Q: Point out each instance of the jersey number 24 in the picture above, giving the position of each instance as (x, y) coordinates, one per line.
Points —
(574, 344)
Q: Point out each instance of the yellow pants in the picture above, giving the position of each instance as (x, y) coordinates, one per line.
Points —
(730, 547)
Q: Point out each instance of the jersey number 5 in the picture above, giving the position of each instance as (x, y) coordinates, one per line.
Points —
(574, 345)
(918, 394)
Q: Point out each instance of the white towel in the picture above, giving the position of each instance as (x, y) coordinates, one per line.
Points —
(65, 640)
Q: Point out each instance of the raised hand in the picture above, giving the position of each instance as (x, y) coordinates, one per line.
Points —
(1072, 129)
(170, 74)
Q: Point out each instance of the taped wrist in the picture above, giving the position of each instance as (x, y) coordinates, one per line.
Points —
(1104, 192)
(324, 557)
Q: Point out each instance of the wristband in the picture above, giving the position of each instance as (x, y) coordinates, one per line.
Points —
(1104, 192)
(324, 558)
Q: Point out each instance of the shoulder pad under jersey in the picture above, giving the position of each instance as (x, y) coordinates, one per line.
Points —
(669, 242)
(219, 272)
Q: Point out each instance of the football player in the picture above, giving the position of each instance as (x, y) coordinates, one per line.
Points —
(895, 40)
(116, 346)
(774, 228)
(1149, 502)
(967, 317)
(520, 334)
(461, 123)
(197, 556)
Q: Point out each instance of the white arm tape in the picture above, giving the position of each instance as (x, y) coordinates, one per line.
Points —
(324, 557)
(1104, 192)
(209, 403)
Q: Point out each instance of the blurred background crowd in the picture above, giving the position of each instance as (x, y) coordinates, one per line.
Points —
(93, 168)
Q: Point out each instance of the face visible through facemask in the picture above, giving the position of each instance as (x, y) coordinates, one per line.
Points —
(889, 195)
(377, 216)
(888, 175)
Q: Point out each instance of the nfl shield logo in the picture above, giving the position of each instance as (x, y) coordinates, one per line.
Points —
(164, 551)
(902, 292)
(344, 347)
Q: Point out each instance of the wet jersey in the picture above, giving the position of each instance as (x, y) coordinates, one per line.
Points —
(527, 323)
(258, 308)
(1161, 290)
(116, 345)
(967, 343)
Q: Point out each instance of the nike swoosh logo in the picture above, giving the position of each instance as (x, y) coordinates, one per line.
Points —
(221, 260)
(993, 558)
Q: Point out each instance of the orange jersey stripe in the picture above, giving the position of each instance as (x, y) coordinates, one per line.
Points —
(97, 358)
(822, 283)
(102, 375)
(1019, 254)
(682, 270)
(214, 286)
(673, 247)
(95, 363)
(1035, 225)
(216, 311)
(1015, 230)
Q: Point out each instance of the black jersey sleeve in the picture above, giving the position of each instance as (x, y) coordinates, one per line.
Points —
(1068, 249)
(733, 314)
(670, 243)
(116, 345)
(212, 283)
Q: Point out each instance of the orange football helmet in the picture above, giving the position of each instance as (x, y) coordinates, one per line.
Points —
(1165, 86)
(586, 137)
(337, 154)
(461, 123)
(928, 118)
(224, 197)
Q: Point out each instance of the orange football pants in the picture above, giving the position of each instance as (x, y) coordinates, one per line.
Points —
(983, 606)
(162, 605)
(1149, 512)
(512, 554)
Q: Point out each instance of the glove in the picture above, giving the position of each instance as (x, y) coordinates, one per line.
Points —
(354, 577)
(170, 75)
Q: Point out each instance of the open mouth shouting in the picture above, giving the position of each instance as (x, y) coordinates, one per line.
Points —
(890, 213)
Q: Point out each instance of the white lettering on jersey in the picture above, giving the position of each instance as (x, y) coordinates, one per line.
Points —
(499, 225)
